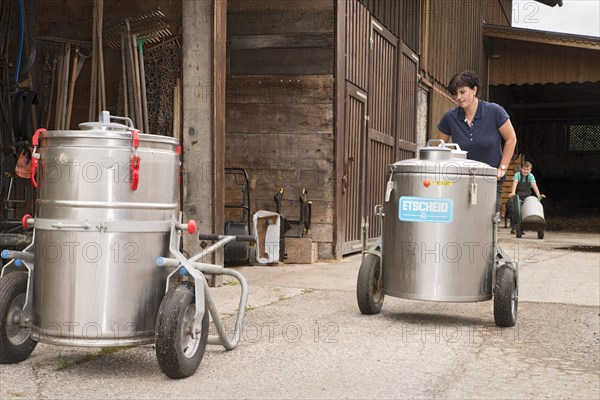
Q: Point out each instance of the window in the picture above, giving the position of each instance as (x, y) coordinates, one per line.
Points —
(584, 138)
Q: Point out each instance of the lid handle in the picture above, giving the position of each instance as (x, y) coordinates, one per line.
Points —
(453, 146)
(105, 118)
(441, 143)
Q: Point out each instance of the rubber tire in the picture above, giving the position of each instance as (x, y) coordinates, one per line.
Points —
(519, 231)
(506, 297)
(169, 323)
(12, 286)
(369, 296)
(540, 234)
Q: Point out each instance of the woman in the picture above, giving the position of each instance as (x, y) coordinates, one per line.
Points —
(479, 127)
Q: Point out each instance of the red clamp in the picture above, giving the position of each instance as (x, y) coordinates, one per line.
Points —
(135, 171)
(35, 157)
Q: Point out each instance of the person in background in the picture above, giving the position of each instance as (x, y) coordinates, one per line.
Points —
(523, 183)
(479, 127)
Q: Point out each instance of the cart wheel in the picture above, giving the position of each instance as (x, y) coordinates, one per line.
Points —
(369, 291)
(16, 343)
(540, 234)
(519, 231)
(178, 354)
(506, 297)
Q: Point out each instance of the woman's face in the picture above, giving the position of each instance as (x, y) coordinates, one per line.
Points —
(465, 96)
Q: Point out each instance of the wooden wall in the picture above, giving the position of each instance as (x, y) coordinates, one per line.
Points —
(452, 36)
(72, 19)
(400, 17)
(279, 119)
(516, 63)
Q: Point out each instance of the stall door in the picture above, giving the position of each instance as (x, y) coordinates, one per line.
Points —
(353, 173)
(381, 125)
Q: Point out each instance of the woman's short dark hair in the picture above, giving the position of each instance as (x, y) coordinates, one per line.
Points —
(462, 79)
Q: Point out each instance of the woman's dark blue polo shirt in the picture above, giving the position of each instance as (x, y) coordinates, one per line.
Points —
(482, 140)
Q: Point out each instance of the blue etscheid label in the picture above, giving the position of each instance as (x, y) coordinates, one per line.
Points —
(424, 209)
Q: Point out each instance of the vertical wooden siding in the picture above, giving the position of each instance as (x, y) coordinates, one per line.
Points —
(409, 64)
(401, 17)
(358, 24)
(453, 35)
(382, 118)
(528, 63)
(388, 77)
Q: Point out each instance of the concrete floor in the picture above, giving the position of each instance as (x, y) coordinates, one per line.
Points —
(304, 337)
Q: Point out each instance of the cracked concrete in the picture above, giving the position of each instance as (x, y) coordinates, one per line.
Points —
(305, 338)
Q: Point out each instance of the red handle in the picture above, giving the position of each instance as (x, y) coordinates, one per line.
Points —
(135, 136)
(36, 136)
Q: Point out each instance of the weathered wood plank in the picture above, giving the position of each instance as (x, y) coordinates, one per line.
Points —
(309, 61)
(280, 151)
(294, 40)
(280, 118)
(280, 89)
(267, 17)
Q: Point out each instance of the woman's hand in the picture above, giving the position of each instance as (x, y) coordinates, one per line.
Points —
(500, 173)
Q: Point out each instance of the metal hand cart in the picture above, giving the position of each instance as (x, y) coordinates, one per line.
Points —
(104, 266)
(440, 237)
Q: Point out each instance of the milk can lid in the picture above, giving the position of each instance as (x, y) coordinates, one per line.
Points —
(104, 123)
(442, 159)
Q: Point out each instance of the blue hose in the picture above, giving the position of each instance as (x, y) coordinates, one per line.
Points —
(21, 41)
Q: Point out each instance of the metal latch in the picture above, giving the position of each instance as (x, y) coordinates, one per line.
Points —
(390, 186)
(472, 187)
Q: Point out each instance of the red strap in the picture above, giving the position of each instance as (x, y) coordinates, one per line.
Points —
(135, 171)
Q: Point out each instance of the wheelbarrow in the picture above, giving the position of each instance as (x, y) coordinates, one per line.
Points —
(529, 214)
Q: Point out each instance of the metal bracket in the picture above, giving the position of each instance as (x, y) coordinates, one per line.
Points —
(24, 258)
(203, 296)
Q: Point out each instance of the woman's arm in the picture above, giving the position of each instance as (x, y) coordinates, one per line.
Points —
(510, 142)
(443, 136)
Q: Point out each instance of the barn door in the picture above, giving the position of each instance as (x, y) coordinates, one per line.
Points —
(352, 178)
(381, 126)
(407, 106)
